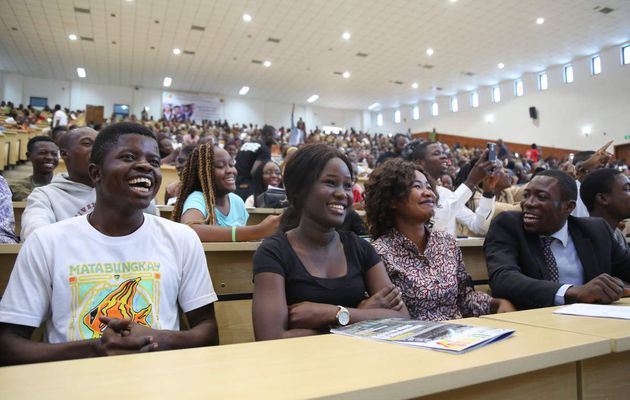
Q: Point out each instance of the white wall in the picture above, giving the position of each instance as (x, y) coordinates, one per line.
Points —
(600, 102)
(78, 94)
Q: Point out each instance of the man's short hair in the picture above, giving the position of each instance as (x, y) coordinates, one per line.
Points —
(32, 141)
(419, 152)
(108, 138)
(568, 188)
(598, 181)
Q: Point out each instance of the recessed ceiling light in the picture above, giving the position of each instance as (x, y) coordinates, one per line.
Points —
(373, 106)
(72, 37)
(167, 82)
(453, 1)
(313, 98)
(501, 65)
(429, 51)
(267, 63)
(177, 51)
(81, 72)
(414, 85)
(247, 17)
(346, 36)
(243, 90)
(540, 21)
(346, 74)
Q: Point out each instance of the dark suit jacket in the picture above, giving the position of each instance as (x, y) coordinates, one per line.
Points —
(517, 268)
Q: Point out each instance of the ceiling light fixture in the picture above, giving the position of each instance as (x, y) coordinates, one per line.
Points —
(313, 98)
(346, 74)
(247, 17)
(72, 36)
(346, 36)
(540, 21)
(267, 63)
(167, 82)
(414, 85)
(177, 51)
(429, 51)
(81, 72)
(373, 106)
(243, 90)
(501, 65)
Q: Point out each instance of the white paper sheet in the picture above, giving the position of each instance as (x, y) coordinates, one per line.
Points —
(596, 310)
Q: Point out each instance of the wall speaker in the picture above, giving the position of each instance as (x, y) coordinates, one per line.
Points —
(533, 113)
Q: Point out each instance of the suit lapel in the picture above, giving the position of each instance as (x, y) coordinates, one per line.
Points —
(585, 251)
(536, 252)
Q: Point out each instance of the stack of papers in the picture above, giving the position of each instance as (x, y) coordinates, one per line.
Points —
(596, 310)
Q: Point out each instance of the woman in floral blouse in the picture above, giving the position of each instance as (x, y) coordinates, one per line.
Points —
(427, 266)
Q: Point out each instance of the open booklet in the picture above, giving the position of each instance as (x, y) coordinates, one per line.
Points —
(452, 338)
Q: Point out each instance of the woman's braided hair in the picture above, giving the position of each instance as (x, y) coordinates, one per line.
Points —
(198, 175)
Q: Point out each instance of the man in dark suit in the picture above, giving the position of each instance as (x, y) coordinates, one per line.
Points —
(542, 256)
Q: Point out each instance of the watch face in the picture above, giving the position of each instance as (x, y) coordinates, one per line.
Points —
(343, 316)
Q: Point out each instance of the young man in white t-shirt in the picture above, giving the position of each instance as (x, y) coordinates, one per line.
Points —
(110, 282)
(60, 118)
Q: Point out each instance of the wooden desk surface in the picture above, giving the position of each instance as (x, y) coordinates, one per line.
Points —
(327, 366)
(617, 330)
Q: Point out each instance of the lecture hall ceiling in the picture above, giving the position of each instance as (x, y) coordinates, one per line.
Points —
(130, 43)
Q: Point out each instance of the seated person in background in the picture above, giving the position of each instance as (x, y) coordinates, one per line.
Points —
(542, 256)
(43, 154)
(268, 175)
(7, 220)
(167, 153)
(606, 194)
(250, 157)
(452, 205)
(173, 188)
(57, 132)
(426, 265)
(309, 276)
(447, 181)
(67, 195)
(76, 278)
(207, 203)
(584, 163)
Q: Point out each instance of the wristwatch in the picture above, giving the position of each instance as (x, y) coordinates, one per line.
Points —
(343, 316)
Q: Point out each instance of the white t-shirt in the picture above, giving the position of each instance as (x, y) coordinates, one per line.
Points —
(68, 274)
(60, 116)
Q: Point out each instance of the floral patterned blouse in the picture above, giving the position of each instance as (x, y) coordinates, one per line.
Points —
(435, 285)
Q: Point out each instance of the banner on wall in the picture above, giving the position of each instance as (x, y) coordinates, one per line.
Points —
(185, 106)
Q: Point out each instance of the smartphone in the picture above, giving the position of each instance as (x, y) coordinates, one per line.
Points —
(492, 151)
(571, 156)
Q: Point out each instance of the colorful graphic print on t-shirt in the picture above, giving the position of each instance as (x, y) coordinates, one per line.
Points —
(128, 290)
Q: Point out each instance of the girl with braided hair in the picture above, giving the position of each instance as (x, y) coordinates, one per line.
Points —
(207, 203)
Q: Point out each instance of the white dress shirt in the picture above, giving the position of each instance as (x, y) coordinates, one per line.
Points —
(452, 208)
(570, 270)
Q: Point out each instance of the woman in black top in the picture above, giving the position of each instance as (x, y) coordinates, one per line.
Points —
(309, 277)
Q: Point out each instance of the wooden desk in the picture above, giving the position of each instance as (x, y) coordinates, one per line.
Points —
(606, 377)
(5, 150)
(535, 363)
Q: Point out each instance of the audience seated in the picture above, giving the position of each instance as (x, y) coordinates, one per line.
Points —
(452, 205)
(606, 194)
(542, 256)
(207, 201)
(310, 276)
(426, 265)
(7, 220)
(110, 282)
(43, 154)
(172, 190)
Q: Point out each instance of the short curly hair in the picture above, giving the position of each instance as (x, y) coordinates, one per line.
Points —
(388, 184)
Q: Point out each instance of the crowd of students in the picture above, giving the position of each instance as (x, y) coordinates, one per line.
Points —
(106, 276)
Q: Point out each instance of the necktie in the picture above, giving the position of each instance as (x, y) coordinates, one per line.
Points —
(550, 260)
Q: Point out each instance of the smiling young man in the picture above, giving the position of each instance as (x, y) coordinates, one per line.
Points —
(110, 282)
(68, 194)
(543, 256)
(43, 154)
